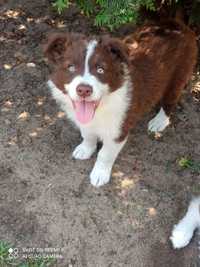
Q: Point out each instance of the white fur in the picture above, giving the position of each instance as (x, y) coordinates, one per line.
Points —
(86, 148)
(182, 232)
(101, 172)
(159, 122)
(105, 125)
(99, 89)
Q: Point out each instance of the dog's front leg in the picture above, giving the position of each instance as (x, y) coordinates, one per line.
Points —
(101, 172)
(87, 147)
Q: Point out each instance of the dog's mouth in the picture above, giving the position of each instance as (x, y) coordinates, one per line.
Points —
(85, 110)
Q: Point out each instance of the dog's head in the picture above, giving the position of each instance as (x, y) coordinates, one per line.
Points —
(87, 70)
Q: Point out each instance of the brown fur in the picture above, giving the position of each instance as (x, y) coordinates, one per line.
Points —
(59, 49)
(65, 49)
(162, 61)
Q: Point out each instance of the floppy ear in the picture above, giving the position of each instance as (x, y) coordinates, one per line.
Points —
(117, 48)
(56, 46)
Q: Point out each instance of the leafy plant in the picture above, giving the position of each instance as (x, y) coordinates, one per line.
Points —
(189, 164)
(60, 5)
(113, 13)
(110, 13)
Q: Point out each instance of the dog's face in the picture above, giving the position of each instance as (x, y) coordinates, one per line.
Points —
(86, 70)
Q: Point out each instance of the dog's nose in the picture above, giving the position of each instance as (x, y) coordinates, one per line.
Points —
(84, 90)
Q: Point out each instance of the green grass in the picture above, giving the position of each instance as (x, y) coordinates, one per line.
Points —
(189, 164)
(6, 261)
(38, 263)
(4, 255)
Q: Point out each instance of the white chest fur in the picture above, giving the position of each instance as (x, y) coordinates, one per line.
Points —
(109, 115)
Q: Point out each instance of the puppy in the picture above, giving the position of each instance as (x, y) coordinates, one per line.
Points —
(182, 232)
(105, 85)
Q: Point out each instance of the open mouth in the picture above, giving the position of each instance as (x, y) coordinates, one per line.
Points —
(85, 110)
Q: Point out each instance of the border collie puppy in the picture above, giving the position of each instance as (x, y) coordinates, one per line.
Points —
(105, 85)
(182, 232)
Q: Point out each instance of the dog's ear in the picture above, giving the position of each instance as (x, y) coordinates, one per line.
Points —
(56, 46)
(116, 48)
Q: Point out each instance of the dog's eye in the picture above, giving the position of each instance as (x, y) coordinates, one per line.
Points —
(71, 68)
(100, 70)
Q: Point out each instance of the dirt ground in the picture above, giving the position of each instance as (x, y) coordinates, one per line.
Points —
(46, 199)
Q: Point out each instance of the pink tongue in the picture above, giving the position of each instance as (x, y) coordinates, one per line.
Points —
(84, 111)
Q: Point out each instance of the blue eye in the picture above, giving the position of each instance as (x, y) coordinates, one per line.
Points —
(72, 68)
(100, 70)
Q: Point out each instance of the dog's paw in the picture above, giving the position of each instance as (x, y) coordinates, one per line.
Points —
(180, 237)
(159, 122)
(99, 176)
(83, 152)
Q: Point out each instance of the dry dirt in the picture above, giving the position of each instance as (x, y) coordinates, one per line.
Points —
(45, 196)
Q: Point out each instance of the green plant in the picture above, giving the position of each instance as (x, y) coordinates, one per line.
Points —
(4, 255)
(38, 263)
(60, 5)
(189, 164)
(111, 13)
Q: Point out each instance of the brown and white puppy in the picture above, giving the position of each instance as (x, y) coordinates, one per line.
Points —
(105, 85)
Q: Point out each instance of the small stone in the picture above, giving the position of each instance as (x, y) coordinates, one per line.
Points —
(31, 65)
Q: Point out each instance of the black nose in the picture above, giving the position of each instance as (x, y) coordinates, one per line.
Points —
(84, 90)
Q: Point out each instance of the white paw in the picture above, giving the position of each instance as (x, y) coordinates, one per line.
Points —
(180, 237)
(99, 176)
(159, 122)
(83, 151)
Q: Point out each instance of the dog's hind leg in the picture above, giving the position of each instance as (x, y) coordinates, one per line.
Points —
(159, 122)
(170, 100)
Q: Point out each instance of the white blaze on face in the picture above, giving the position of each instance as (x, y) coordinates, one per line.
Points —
(85, 108)
(90, 50)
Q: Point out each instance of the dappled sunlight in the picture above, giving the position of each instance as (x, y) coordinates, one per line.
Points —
(49, 121)
(22, 27)
(31, 65)
(47, 118)
(196, 87)
(14, 14)
(60, 24)
(124, 183)
(33, 134)
(41, 100)
(39, 129)
(127, 183)
(152, 212)
(23, 116)
(118, 174)
(7, 105)
(35, 124)
(12, 141)
(7, 66)
(60, 114)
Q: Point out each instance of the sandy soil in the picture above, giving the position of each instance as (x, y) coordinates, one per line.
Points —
(45, 196)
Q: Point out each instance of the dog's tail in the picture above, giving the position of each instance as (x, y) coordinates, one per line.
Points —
(182, 232)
